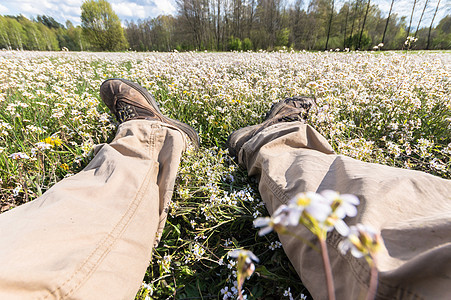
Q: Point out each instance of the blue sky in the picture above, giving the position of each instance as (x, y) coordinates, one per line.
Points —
(141, 9)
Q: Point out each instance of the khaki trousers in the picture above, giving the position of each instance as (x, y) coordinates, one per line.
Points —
(91, 235)
(97, 228)
(411, 209)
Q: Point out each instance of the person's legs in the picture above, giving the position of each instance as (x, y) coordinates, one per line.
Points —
(411, 209)
(91, 235)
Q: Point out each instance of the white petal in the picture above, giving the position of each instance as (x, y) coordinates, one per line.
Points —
(319, 211)
(279, 210)
(234, 253)
(344, 246)
(293, 216)
(253, 256)
(340, 212)
(260, 222)
(330, 195)
(351, 210)
(318, 198)
(265, 230)
(356, 253)
(342, 227)
(350, 199)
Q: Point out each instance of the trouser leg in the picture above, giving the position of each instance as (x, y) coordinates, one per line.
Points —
(91, 235)
(411, 209)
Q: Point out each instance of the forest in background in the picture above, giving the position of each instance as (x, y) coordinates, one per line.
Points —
(226, 25)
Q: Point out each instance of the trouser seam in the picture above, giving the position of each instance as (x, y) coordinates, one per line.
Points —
(333, 240)
(96, 257)
(151, 150)
(276, 191)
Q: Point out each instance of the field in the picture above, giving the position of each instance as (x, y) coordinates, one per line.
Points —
(393, 108)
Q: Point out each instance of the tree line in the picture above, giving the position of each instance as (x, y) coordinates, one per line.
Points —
(224, 25)
(43, 33)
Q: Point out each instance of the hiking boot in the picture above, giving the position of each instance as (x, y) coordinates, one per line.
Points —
(130, 101)
(289, 110)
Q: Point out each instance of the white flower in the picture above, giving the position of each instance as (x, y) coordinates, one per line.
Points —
(227, 294)
(245, 266)
(43, 146)
(274, 245)
(19, 155)
(283, 216)
(342, 206)
(16, 190)
(314, 204)
(362, 241)
(148, 287)
(198, 251)
(246, 253)
(287, 293)
(346, 203)
(265, 222)
(436, 164)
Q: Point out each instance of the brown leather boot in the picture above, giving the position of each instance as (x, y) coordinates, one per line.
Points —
(289, 110)
(130, 101)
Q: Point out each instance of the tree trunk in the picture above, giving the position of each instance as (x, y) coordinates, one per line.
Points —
(430, 27)
(364, 20)
(346, 25)
(218, 25)
(419, 22)
(36, 40)
(388, 19)
(251, 18)
(411, 16)
(79, 41)
(353, 17)
(330, 23)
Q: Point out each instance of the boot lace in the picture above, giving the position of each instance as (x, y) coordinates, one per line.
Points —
(124, 113)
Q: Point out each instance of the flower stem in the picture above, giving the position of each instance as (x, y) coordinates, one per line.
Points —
(240, 293)
(373, 281)
(310, 244)
(24, 182)
(327, 269)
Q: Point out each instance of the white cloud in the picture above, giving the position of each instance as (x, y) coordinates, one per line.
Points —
(3, 10)
(31, 9)
(142, 9)
(165, 6)
(74, 19)
(404, 8)
(59, 10)
(129, 10)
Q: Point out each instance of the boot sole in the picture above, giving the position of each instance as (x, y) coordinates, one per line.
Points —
(188, 130)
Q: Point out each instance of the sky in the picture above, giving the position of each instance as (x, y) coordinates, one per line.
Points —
(142, 9)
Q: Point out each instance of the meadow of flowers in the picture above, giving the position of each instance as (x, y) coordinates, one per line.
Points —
(392, 108)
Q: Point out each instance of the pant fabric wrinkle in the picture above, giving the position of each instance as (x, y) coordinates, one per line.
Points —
(97, 227)
(290, 158)
(90, 227)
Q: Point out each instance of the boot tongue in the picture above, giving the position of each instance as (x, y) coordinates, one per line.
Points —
(286, 114)
(306, 103)
(126, 112)
(290, 114)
